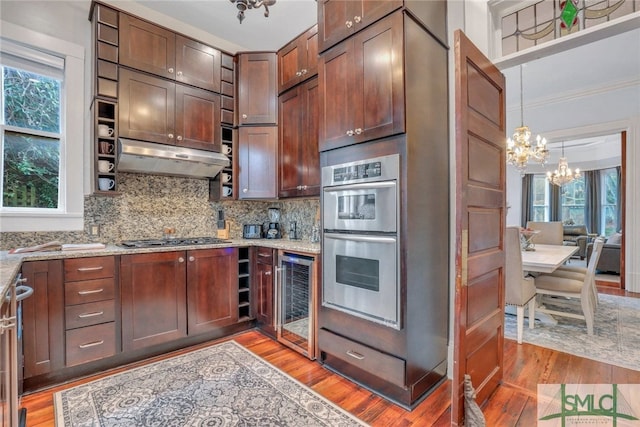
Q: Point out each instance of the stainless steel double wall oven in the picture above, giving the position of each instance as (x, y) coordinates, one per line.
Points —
(361, 271)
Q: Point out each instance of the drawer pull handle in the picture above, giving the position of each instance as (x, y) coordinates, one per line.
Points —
(355, 355)
(94, 314)
(91, 344)
(94, 291)
(83, 269)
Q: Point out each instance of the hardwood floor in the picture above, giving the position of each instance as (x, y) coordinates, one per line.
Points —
(513, 404)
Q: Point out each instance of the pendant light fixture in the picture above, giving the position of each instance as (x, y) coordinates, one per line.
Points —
(564, 174)
(519, 148)
(243, 5)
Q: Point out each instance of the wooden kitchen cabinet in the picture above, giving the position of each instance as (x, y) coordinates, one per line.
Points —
(263, 278)
(298, 155)
(298, 60)
(43, 318)
(257, 88)
(154, 306)
(157, 110)
(257, 162)
(338, 19)
(156, 50)
(362, 87)
(212, 289)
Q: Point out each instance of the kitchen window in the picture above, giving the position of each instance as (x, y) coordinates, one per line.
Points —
(41, 132)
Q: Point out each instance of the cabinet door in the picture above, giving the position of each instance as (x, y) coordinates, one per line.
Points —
(153, 292)
(197, 64)
(291, 111)
(264, 290)
(298, 60)
(378, 73)
(43, 318)
(146, 107)
(147, 47)
(197, 118)
(257, 88)
(335, 21)
(212, 289)
(310, 43)
(338, 97)
(310, 155)
(257, 166)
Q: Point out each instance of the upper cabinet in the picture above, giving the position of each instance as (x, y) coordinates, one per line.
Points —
(257, 89)
(158, 51)
(298, 60)
(157, 110)
(362, 87)
(338, 19)
(257, 162)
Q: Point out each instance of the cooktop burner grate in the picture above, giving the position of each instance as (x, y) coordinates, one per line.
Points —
(185, 241)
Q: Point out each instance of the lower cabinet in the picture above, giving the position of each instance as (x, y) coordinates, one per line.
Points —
(263, 289)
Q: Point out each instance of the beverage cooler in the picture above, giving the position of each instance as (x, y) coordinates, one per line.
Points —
(295, 303)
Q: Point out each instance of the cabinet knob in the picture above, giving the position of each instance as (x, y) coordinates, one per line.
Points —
(179, 138)
(179, 73)
(349, 132)
(170, 136)
(267, 273)
(298, 73)
(303, 71)
(304, 187)
(244, 190)
(358, 131)
(180, 259)
(192, 258)
(299, 187)
(244, 116)
(170, 70)
(357, 19)
(349, 24)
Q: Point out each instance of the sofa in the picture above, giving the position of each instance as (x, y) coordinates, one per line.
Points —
(576, 235)
(609, 261)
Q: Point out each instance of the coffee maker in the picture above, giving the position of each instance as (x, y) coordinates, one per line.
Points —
(272, 228)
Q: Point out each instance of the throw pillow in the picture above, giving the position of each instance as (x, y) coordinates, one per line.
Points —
(615, 238)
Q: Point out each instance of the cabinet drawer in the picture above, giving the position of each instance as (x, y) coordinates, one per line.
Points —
(107, 34)
(90, 343)
(89, 291)
(226, 88)
(92, 313)
(107, 16)
(88, 268)
(107, 52)
(226, 117)
(382, 365)
(264, 255)
(227, 75)
(227, 61)
(226, 103)
(107, 70)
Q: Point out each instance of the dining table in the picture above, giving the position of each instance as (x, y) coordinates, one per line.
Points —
(546, 258)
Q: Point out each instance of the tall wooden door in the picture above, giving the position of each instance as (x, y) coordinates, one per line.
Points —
(480, 224)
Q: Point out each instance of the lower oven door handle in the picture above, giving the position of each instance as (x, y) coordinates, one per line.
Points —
(360, 238)
(361, 186)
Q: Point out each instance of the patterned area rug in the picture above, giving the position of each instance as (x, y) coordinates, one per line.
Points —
(616, 338)
(222, 385)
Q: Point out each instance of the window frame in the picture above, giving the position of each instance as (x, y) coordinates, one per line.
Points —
(70, 213)
(547, 197)
(603, 196)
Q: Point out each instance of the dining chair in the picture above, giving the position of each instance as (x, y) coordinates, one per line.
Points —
(520, 291)
(551, 232)
(569, 287)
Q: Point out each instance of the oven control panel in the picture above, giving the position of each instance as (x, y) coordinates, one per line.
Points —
(362, 171)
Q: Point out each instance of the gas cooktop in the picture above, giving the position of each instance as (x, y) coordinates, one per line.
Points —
(184, 241)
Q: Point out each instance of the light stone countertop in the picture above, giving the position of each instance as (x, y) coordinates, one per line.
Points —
(10, 264)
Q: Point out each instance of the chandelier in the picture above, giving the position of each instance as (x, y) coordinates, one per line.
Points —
(519, 146)
(563, 175)
(243, 5)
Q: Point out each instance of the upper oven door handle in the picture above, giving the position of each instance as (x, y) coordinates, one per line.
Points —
(360, 238)
(361, 186)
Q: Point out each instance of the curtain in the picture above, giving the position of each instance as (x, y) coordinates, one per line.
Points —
(555, 203)
(592, 188)
(527, 199)
(619, 223)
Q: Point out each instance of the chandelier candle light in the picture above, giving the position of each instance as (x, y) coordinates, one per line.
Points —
(519, 148)
(243, 5)
(564, 174)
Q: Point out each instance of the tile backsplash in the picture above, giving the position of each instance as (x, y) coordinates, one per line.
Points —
(148, 203)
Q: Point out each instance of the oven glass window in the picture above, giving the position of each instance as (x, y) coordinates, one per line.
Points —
(358, 272)
(361, 206)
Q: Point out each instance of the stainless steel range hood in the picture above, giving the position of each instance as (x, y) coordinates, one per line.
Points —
(145, 157)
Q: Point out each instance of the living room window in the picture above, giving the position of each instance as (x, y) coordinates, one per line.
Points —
(610, 179)
(572, 202)
(540, 208)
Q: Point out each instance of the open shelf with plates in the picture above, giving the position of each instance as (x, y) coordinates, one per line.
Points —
(105, 147)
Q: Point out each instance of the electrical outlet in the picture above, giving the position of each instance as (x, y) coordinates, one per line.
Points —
(95, 230)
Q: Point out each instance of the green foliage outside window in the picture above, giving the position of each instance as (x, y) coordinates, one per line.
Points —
(31, 160)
